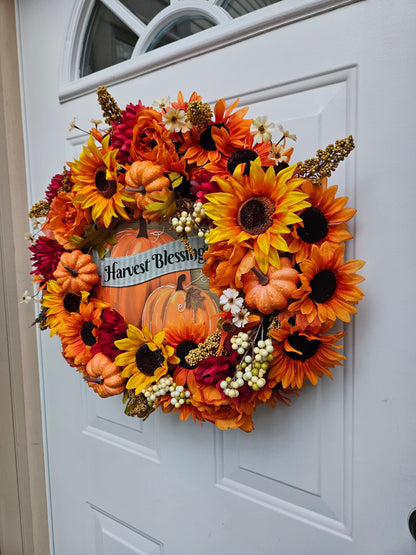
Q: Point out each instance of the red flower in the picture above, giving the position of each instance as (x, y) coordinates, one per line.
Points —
(112, 327)
(123, 132)
(46, 255)
(215, 369)
(54, 186)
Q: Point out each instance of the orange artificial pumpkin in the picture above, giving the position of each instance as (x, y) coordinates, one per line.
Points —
(270, 292)
(76, 272)
(130, 301)
(104, 376)
(144, 178)
(167, 303)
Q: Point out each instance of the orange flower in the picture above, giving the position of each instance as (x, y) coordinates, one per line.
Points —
(149, 136)
(202, 146)
(323, 221)
(328, 289)
(67, 218)
(300, 354)
(78, 333)
(255, 211)
(184, 337)
(225, 264)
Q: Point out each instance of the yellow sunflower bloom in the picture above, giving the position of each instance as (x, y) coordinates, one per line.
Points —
(96, 184)
(255, 210)
(145, 358)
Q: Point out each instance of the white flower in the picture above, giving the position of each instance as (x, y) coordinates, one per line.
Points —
(25, 298)
(285, 133)
(96, 122)
(29, 237)
(162, 103)
(72, 125)
(230, 301)
(262, 129)
(241, 318)
(175, 120)
(277, 152)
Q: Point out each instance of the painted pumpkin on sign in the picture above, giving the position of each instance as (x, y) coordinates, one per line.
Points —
(168, 302)
(130, 301)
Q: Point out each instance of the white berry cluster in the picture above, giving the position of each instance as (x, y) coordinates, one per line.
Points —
(252, 369)
(187, 221)
(160, 388)
(180, 395)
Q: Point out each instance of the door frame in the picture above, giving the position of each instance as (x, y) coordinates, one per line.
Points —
(23, 505)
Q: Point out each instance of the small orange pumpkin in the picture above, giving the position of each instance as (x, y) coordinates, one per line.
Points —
(270, 292)
(130, 301)
(145, 178)
(167, 303)
(104, 376)
(76, 272)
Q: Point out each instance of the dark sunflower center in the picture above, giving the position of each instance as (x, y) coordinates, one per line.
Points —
(315, 225)
(86, 333)
(307, 348)
(183, 349)
(244, 156)
(205, 139)
(71, 302)
(323, 286)
(148, 361)
(255, 215)
(107, 187)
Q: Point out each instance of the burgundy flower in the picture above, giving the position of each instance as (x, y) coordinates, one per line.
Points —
(215, 369)
(112, 328)
(46, 254)
(203, 186)
(123, 132)
(54, 186)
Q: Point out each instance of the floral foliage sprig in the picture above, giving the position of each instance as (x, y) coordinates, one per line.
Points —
(274, 237)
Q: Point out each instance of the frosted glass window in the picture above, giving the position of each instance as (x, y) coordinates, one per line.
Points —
(108, 41)
(179, 29)
(241, 7)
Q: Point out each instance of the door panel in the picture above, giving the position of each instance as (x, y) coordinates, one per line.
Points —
(334, 473)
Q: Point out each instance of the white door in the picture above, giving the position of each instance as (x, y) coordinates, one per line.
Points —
(335, 472)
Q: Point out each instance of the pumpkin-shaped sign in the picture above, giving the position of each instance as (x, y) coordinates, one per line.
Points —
(129, 301)
(168, 302)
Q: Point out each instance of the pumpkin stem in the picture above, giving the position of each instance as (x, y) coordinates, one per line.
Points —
(142, 229)
(264, 280)
(94, 380)
(179, 283)
(73, 272)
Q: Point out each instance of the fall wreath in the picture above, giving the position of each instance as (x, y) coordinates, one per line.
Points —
(184, 262)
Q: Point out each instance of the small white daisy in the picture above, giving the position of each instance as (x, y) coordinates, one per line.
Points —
(277, 153)
(230, 301)
(174, 120)
(285, 133)
(162, 103)
(241, 318)
(262, 129)
(25, 298)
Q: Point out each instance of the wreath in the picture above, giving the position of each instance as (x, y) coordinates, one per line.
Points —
(183, 261)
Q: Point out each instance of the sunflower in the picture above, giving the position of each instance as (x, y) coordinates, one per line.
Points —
(78, 333)
(61, 304)
(329, 286)
(323, 221)
(201, 146)
(96, 183)
(145, 358)
(235, 154)
(255, 210)
(184, 337)
(300, 354)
